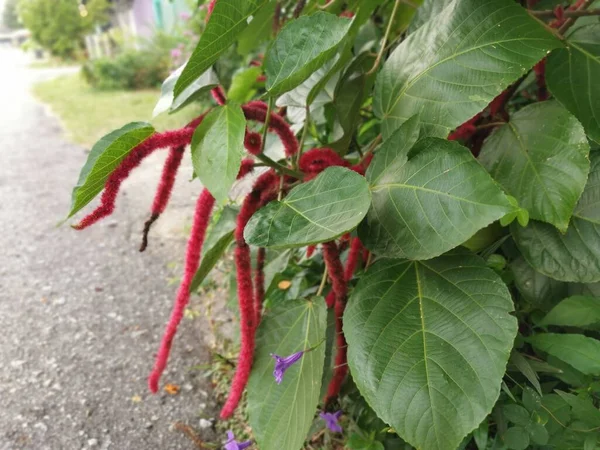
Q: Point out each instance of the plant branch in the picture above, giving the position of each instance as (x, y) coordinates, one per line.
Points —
(279, 167)
(385, 39)
(571, 20)
(570, 14)
(304, 133)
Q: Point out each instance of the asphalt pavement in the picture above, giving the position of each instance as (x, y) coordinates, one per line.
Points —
(82, 313)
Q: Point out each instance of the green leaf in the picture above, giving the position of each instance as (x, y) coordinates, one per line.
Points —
(105, 156)
(258, 31)
(281, 415)
(576, 311)
(538, 289)
(217, 149)
(300, 48)
(227, 20)
(243, 85)
(516, 438)
(428, 10)
(525, 368)
(516, 414)
(579, 351)
(541, 158)
(205, 82)
(323, 209)
(582, 409)
(428, 200)
(209, 259)
(454, 65)
(574, 256)
(481, 435)
(572, 74)
(538, 433)
(428, 344)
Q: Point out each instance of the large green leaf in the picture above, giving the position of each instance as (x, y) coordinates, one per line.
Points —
(572, 74)
(105, 156)
(281, 415)
(228, 19)
(540, 290)
(577, 311)
(300, 48)
(541, 158)
(166, 102)
(578, 350)
(428, 344)
(454, 65)
(257, 31)
(427, 11)
(429, 199)
(574, 256)
(217, 149)
(318, 211)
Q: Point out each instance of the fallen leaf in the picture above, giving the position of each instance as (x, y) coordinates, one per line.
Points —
(172, 389)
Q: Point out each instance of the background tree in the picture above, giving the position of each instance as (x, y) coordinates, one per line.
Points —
(10, 17)
(59, 26)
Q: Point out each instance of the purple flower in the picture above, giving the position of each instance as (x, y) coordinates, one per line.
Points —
(175, 53)
(331, 420)
(184, 16)
(232, 444)
(283, 364)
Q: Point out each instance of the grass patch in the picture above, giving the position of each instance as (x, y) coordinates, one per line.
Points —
(88, 114)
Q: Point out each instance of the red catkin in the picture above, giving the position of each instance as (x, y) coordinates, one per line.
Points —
(256, 111)
(177, 138)
(466, 130)
(246, 167)
(540, 78)
(331, 255)
(351, 263)
(245, 292)
(310, 250)
(259, 283)
(252, 142)
(204, 207)
(219, 95)
(163, 193)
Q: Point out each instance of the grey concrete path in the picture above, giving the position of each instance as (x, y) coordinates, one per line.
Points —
(82, 313)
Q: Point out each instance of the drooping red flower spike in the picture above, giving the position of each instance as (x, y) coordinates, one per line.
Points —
(256, 111)
(331, 255)
(163, 193)
(259, 283)
(246, 167)
(351, 263)
(253, 142)
(245, 291)
(177, 138)
(310, 250)
(540, 78)
(202, 214)
(466, 130)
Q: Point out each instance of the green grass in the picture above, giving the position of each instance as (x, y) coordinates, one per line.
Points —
(88, 114)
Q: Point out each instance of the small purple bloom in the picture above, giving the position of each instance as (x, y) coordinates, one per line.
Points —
(331, 420)
(232, 444)
(184, 16)
(175, 53)
(283, 364)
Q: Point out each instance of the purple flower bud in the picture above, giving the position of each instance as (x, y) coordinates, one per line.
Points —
(283, 364)
(232, 444)
(175, 53)
(331, 420)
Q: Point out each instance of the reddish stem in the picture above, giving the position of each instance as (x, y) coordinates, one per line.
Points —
(204, 207)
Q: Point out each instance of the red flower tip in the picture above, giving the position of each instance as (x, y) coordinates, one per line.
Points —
(253, 142)
(210, 8)
(347, 13)
(257, 111)
(310, 250)
(219, 95)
